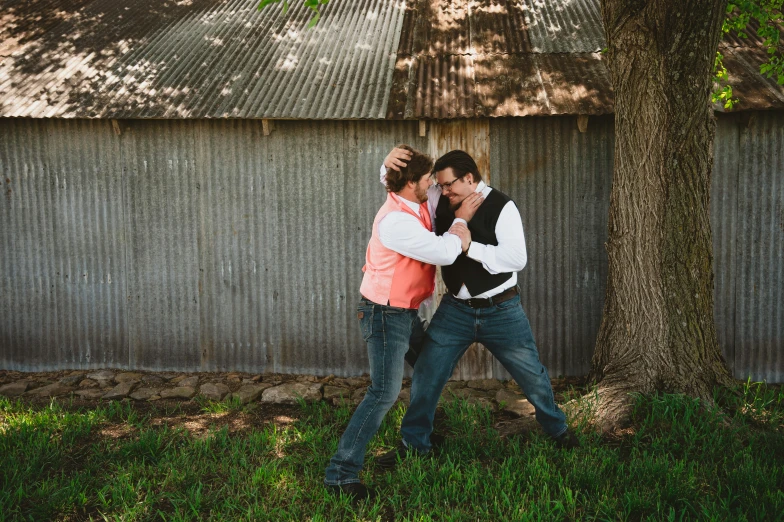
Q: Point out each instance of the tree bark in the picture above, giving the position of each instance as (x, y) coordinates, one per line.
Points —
(657, 331)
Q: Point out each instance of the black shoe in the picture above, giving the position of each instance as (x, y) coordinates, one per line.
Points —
(567, 440)
(389, 459)
(356, 491)
(437, 442)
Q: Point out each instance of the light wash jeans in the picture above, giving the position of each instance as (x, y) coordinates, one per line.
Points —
(393, 336)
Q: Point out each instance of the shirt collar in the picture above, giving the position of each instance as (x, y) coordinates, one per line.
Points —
(413, 206)
(483, 188)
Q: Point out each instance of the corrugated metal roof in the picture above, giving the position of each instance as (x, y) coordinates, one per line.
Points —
(752, 89)
(196, 59)
(498, 58)
(564, 26)
(365, 59)
(496, 85)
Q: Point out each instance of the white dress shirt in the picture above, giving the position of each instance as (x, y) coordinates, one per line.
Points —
(403, 233)
(508, 256)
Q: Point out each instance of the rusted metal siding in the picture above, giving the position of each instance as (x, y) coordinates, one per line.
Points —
(560, 180)
(209, 246)
(188, 245)
(196, 59)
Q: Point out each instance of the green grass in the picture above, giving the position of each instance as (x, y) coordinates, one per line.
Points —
(678, 461)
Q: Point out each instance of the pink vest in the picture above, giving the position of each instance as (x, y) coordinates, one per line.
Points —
(391, 277)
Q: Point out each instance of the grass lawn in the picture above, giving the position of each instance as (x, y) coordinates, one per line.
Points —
(216, 461)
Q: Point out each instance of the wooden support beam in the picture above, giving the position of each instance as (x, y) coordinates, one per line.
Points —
(422, 128)
(116, 127)
(266, 127)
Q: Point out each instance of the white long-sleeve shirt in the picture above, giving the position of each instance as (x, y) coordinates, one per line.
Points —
(508, 256)
(403, 233)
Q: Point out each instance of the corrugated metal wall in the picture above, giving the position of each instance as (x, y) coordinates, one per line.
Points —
(759, 249)
(204, 245)
(560, 180)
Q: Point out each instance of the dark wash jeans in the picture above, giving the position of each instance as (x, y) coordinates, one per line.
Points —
(505, 331)
(393, 336)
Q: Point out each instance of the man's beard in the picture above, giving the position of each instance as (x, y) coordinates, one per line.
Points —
(421, 196)
(455, 206)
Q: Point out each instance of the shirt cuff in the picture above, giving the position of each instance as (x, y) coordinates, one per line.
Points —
(476, 251)
(460, 220)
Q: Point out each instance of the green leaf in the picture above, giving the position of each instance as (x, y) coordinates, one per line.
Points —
(314, 20)
(265, 3)
(285, 6)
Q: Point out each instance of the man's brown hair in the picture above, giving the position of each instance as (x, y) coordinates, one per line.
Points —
(419, 165)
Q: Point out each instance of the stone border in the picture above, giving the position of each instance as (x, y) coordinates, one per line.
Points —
(109, 384)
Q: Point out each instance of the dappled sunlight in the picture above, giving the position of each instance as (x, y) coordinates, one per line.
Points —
(501, 58)
(116, 431)
(287, 63)
(189, 59)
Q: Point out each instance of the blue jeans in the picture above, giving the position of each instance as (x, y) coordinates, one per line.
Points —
(505, 331)
(393, 336)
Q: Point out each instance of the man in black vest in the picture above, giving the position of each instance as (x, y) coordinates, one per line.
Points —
(482, 305)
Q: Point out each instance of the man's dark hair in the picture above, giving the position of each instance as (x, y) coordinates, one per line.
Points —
(419, 165)
(460, 162)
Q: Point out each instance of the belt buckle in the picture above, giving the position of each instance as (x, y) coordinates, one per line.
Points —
(476, 302)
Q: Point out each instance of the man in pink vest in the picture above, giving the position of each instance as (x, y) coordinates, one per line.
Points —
(399, 275)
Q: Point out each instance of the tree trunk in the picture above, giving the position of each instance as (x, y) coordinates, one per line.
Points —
(657, 331)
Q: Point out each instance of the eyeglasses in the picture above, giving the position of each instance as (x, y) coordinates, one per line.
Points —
(448, 184)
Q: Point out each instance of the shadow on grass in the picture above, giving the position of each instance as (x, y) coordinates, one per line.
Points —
(679, 460)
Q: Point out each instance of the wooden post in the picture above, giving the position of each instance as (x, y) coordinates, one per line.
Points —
(265, 127)
(116, 127)
(472, 136)
(422, 128)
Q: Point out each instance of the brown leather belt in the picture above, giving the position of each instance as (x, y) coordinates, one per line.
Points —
(487, 302)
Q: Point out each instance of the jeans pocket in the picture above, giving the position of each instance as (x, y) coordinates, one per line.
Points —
(365, 316)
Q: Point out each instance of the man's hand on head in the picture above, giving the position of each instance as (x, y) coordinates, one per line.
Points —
(469, 206)
(461, 231)
(397, 159)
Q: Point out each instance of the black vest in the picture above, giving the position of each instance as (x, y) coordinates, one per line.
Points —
(482, 226)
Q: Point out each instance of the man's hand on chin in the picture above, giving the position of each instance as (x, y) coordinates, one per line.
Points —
(469, 206)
